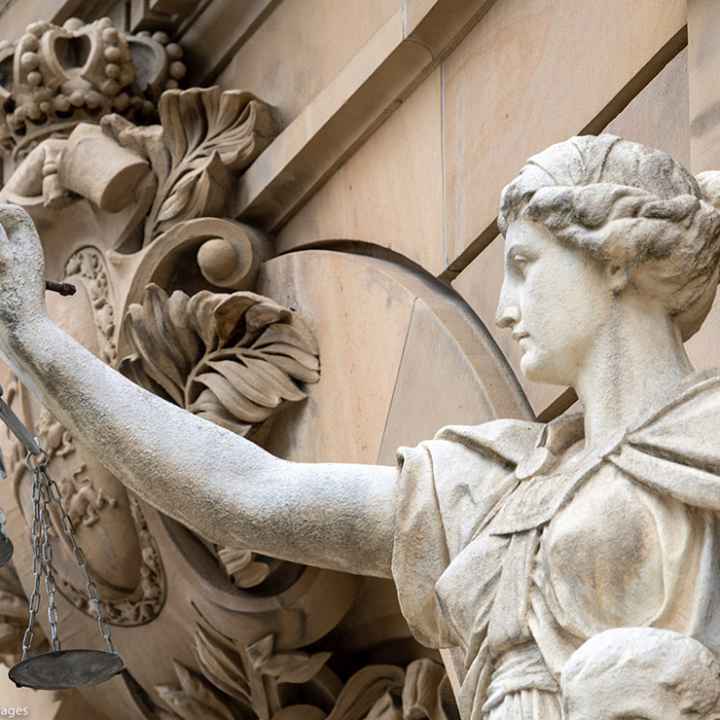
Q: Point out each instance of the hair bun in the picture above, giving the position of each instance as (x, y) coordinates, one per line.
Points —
(709, 183)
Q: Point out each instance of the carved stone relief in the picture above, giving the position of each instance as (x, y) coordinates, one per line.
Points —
(230, 358)
(256, 680)
(56, 77)
(503, 568)
(165, 293)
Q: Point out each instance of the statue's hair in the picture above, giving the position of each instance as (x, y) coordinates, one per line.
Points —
(679, 664)
(630, 206)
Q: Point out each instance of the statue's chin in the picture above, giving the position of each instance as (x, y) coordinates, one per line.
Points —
(538, 369)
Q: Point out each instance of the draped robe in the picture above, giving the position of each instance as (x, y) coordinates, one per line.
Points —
(519, 568)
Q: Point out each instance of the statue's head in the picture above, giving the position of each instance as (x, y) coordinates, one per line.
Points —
(629, 673)
(591, 223)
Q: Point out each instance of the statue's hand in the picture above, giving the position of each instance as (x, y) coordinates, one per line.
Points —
(22, 270)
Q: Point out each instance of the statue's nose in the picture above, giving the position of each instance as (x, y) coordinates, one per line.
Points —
(507, 315)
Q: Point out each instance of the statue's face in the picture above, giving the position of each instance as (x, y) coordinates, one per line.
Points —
(555, 299)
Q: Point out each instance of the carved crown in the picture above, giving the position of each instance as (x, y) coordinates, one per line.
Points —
(54, 77)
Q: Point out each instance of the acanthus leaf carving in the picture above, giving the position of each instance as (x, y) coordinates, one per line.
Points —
(237, 680)
(364, 689)
(194, 698)
(233, 359)
(242, 567)
(207, 136)
(288, 667)
(248, 680)
(222, 664)
(230, 358)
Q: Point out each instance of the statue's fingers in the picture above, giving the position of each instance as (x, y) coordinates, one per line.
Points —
(20, 232)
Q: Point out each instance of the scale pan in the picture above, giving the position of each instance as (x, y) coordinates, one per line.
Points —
(66, 669)
(6, 551)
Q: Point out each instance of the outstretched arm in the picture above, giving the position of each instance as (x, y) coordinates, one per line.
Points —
(221, 485)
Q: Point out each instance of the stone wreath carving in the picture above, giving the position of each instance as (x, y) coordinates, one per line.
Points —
(234, 359)
(260, 682)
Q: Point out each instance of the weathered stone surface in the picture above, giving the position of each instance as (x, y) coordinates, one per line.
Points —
(659, 114)
(649, 673)
(289, 81)
(522, 80)
(364, 93)
(387, 182)
(703, 67)
(389, 192)
(56, 77)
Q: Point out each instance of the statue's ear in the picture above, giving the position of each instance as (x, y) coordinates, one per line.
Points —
(618, 276)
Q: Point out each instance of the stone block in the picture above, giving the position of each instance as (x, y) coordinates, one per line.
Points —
(419, 406)
(400, 357)
(659, 115)
(389, 192)
(358, 350)
(301, 47)
(532, 73)
(703, 68)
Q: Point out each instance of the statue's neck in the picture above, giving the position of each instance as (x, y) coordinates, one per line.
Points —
(636, 362)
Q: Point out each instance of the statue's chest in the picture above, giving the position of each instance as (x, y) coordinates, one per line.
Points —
(602, 554)
(594, 539)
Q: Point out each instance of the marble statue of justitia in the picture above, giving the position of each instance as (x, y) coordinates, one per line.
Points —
(515, 541)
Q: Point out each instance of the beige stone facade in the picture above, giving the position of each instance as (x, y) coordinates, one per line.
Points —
(363, 212)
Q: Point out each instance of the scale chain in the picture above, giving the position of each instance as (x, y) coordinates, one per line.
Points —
(34, 604)
(47, 556)
(44, 492)
(93, 596)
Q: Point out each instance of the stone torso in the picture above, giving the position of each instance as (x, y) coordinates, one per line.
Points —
(626, 537)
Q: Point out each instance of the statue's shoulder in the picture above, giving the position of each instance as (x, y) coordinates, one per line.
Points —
(505, 441)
